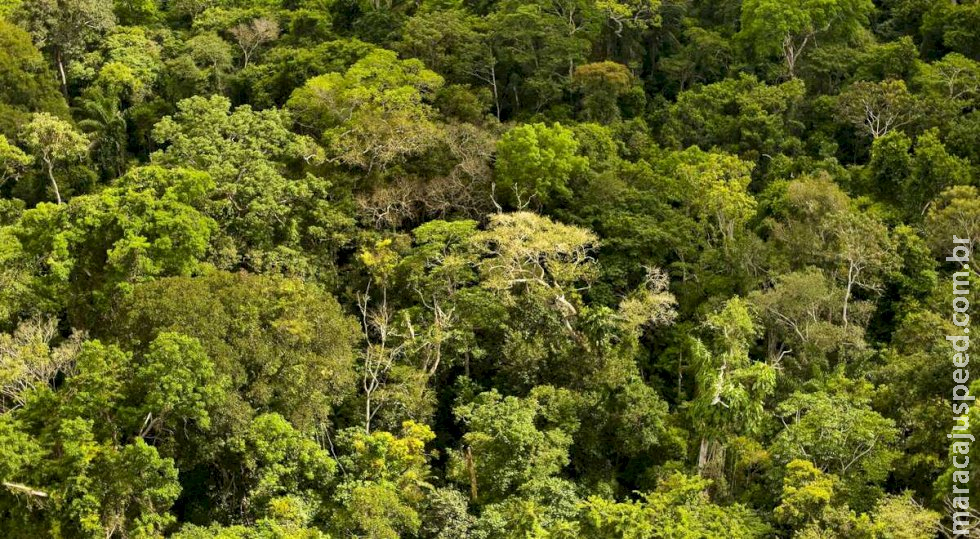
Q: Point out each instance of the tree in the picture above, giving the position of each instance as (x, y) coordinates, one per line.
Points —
(807, 493)
(30, 86)
(504, 447)
(389, 481)
(773, 26)
(837, 430)
(818, 226)
(878, 107)
(954, 77)
(950, 27)
(374, 114)
(283, 365)
(865, 253)
(447, 42)
(16, 276)
(263, 528)
(285, 68)
(933, 170)
(13, 161)
(129, 68)
(106, 125)
(802, 314)
(731, 388)
(528, 251)
(602, 83)
(957, 211)
(66, 29)
(540, 42)
(445, 515)
(382, 350)
(724, 205)
(902, 516)
(87, 253)
(211, 58)
(274, 212)
(281, 469)
(177, 380)
(536, 163)
(742, 116)
(631, 14)
(912, 178)
(705, 58)
(254, 34)
(293, 328)
(54, 142)
(102, 480)
(136, 489)
(810, 503)
(30, 360)
(679, 507)
(909, 373)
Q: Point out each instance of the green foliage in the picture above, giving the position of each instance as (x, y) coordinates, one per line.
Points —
(13, 161)
(375, 113)
(53, 142)
(285, 345)
(211, 61)
(957, 208)
(177, 379)
(807, 491)
(772, 27)
(392, 474)
(66, 30)
(271, 209)
(103, 478)
(448, 42)
(535, 164)
(743, 116)
(487, 268)
(601, 83)
(838, 431)
(730, 388)
(913, 179)
(29, 84)
(280, 462)
(504, 448)
(285, 68)
(86, 254)
(678, 507)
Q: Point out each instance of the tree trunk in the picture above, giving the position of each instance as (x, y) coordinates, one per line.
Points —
(367, 414)
(496, 96)
(472, 473)
(851, 277)
(54, 184)
(703, 456)
(61, 72)
(790, 54)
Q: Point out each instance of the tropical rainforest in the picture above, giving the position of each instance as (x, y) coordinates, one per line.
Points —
(542, 269)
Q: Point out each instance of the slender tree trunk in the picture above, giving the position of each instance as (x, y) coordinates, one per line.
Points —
(471, 468)
(851, 277)
(680, 375)
(54, 184)
(367, 414)
(61, 71)
(496, 96)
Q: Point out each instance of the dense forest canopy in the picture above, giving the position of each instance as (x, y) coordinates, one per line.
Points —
(484, 268)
